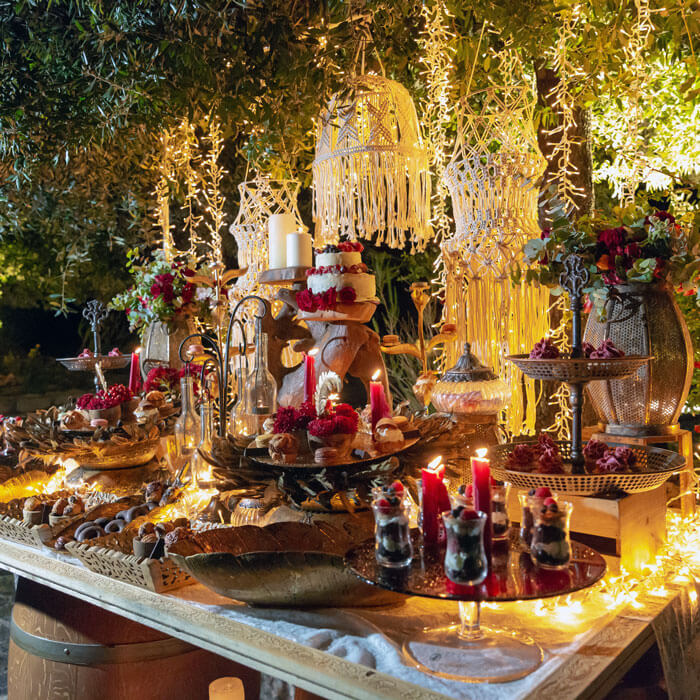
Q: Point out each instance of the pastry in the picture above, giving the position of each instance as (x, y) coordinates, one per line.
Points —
(99, 423)
(263, 440)
(388, 436)
(155, 398)
(283, 447)
(326, 455)
(75, 420)
(154, 491)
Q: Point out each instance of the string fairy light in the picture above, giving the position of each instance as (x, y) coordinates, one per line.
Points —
(437, 57)
(212, 175)
(561, 98)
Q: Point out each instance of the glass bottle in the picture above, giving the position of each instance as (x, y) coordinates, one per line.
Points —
(201, 469)
(261, 388)
(240, 423)
(187, 428)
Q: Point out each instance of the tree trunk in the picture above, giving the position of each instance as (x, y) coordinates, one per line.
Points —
(581, 160)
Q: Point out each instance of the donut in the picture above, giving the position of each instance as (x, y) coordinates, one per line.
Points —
(116, 525)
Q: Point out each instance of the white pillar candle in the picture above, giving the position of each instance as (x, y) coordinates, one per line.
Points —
(299, 250)
(279, 225)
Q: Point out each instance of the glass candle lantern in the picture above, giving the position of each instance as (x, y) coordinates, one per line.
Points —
(260, 389)
(241, 426)
(201, 469)
(187, 426)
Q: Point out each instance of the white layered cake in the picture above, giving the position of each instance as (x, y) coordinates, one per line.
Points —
(340, 267)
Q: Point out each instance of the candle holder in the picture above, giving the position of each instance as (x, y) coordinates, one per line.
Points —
(219, 361)
(420, 349)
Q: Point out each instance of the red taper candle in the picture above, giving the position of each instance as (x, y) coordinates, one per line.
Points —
(379, 407)
(310, 376)
(481, 478)
(135, 372)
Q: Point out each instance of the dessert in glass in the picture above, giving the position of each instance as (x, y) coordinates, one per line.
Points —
(500, 524)
(550, 546)
(465, 558)
(531, 503)
(393, 547)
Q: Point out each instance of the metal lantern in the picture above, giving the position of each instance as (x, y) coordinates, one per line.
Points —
(371, 176)
(643, 319)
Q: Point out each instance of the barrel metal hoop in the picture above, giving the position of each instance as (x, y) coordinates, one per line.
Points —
(96, 654)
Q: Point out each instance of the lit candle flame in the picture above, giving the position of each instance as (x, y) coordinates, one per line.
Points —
(376, 375)
(482, 452)
(435, 463)
(313, 352)
(138, 350)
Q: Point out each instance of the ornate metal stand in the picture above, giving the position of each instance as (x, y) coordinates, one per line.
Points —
(219, 363)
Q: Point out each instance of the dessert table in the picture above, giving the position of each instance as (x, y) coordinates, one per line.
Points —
(343, 653)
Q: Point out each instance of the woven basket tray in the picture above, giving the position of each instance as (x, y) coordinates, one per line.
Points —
(112, 556)
(13, 527)
(580, 369)
(658, 465)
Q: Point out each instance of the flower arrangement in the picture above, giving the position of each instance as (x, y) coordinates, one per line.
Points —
(114, 396)
(289, 419)
(167, 379)
(162, 291)
(339, 419)
(641, 247)
(326, 301)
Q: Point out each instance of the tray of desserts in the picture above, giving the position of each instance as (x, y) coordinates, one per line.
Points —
(86, 363)
(544, 462)
(567, 369)
(362, 452)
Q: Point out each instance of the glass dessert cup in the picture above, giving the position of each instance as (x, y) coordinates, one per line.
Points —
(500, 523)
(393, 546)
(550, 547)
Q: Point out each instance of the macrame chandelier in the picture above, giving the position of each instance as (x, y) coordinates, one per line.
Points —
(371, 175)
(492, 179)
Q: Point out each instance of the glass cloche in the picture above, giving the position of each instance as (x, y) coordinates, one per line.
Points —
(470, 388)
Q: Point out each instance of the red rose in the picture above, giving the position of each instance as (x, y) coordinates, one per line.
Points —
(168, 294)
(155, 291)
(164, 279)
(344, 409)
(321, 427)
(327, 299)
(345, 425)
(187, 272)
(357, 246)
(612, 238)
(188, 293)
(347, 295)
(306, 301)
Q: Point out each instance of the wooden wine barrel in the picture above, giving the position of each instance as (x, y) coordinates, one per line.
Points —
(62, 648)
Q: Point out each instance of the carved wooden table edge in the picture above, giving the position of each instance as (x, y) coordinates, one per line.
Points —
(578, 675)
(260, 650)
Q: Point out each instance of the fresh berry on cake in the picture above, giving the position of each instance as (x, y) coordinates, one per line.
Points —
(339, 277)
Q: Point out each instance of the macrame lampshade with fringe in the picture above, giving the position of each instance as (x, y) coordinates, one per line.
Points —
(371, 177)
(493, 182)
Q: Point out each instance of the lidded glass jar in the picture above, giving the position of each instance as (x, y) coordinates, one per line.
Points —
(470, 388)
(187, 426)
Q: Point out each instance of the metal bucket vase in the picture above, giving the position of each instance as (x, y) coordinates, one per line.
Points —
(643, 319)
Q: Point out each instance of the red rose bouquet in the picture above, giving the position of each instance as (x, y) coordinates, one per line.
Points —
(640, 247)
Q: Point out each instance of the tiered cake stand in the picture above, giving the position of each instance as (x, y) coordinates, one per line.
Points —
(654, 465)
(95, 313)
